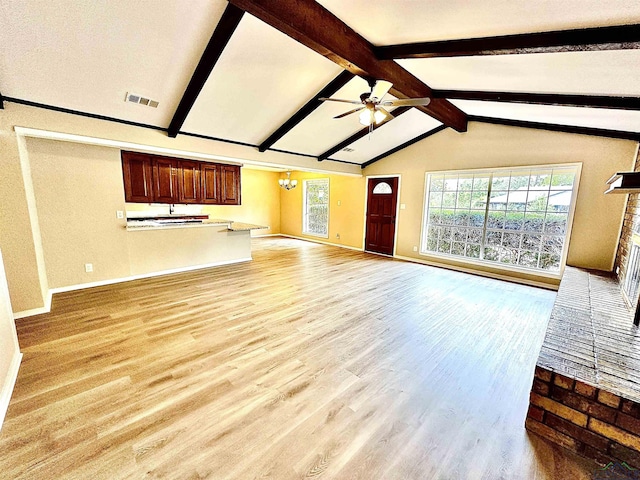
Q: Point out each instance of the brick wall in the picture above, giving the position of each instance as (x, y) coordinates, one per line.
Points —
(588, 420)
(631, 221)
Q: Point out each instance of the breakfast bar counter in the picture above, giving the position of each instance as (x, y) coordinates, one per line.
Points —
(171, 244)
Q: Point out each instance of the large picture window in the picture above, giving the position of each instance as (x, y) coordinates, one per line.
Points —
(516, 217)
(316, 207)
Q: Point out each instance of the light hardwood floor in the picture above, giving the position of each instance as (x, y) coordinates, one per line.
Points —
(309, 361)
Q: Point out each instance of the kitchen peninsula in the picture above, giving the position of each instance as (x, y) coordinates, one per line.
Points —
(166, 243)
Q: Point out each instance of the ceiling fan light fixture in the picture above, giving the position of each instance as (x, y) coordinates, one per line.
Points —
(365, 117)
(379, 116)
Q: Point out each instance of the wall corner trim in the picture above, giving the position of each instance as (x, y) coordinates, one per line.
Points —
(9, 383)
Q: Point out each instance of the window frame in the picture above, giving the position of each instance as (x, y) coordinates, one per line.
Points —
(305, 215)
(494, 264)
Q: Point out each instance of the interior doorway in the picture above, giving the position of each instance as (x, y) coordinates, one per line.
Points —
(382, 200)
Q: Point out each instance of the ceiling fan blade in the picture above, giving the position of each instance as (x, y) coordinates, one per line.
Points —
(349, 112)
(380, 89)
(407, 102)
(386, 112)
(355, 102)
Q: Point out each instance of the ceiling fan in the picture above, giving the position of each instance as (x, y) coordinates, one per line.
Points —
(372, 110)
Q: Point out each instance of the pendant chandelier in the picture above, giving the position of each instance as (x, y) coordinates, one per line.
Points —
(287, 183)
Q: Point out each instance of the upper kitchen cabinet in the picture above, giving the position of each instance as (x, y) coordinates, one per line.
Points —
(230, 185)
(136, 172)
(165, 180)
(156, 179)
(189, 185)
(210, 175)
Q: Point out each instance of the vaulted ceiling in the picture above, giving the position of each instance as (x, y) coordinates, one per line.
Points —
(250, 71)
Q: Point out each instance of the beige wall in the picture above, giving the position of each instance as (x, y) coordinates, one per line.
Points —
(78, 189)
(595, 233)
(347, 219)
(16, 235)
(9, 349)
(597, 218)
(16, 238)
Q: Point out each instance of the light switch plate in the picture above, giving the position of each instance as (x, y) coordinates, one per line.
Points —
(402, 206)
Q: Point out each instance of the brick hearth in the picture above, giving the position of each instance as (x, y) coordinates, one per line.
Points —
(586, 390)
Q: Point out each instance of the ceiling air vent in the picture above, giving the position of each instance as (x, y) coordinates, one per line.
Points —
(135, 98)
(347, 149)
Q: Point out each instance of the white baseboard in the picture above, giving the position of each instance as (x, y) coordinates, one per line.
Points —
(31, 312)
(313, 240)
(266, 235)
(497, 276)
(9, 383)
(81, 286)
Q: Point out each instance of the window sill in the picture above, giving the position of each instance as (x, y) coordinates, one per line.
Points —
(315, 235)
(494, 266)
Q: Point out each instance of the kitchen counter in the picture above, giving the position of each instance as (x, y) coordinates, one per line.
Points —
(172, 243)
(244, 227)
(173, 222)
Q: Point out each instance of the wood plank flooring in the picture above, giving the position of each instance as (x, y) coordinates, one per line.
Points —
(308, 362)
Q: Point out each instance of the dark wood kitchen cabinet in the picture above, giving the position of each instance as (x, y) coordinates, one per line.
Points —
(189, 185)
(230, 185)
(210, 175)
(158, 179)
(165, 180)
(137, 175)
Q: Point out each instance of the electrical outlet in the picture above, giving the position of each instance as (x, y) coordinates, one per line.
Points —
(119, 214)
(88, 267)
(337, 235)
(415, 249)
(339, 203)
(403, 206)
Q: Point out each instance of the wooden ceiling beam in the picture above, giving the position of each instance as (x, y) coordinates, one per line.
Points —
(224, 30)
(403, 146)
(593, 101)
(335, 85)
(309, 23)
(360, 134)
(591, 131)
(1, 101)
(619, 37)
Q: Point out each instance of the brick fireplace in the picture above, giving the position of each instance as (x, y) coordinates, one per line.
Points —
(586, 389)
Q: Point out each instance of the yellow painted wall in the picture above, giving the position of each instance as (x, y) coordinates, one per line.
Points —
(260, 202)
(346, 219)
(597, 219)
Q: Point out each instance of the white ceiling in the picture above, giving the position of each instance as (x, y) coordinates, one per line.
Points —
(256, 86)
(606, 72)
(85, 56)
(388, 22)
(402, 129)
(624, 120)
